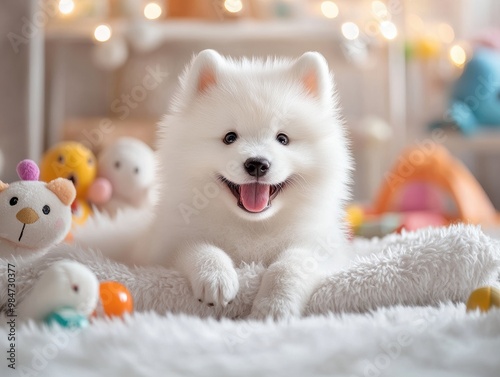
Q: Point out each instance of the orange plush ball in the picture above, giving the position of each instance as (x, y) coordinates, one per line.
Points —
(116, 299)
(484, 299)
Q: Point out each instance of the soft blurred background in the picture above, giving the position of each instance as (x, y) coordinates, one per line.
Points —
(94, 70)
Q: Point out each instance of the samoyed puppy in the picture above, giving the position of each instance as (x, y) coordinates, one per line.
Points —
(255, 168)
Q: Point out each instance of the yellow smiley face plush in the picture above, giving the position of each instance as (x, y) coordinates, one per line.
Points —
(73, 161)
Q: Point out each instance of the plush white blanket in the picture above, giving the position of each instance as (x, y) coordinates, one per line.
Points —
(424, 268)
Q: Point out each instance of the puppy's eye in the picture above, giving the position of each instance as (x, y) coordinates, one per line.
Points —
(13, 201)
(60, 159)
(75, 288)
(46, 209)
(230, 138)
(117, 164)
(282, 139)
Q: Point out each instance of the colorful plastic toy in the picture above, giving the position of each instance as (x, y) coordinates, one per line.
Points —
(437, 167)
(33, 215)
(115, 299)
(414, 192)
(484, 299)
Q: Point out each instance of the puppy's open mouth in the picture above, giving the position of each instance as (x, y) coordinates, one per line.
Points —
(254, 197)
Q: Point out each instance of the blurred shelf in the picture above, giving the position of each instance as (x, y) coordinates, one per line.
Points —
(96, 132)
(240, 30)
(486, 140)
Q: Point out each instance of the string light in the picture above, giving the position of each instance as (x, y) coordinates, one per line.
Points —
(66, 6)
(458, 55)
(329, 9)
(388, 30)
(152, 11)
(102, 33)
(446, 33)
(350, 30)
(379, 9)
(233, 6)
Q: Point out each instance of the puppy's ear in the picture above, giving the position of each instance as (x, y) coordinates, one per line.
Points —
(3, 186)
(64, 190)
(312, 71)
(203, 72)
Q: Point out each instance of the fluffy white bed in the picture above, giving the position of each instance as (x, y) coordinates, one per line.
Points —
(397, 310)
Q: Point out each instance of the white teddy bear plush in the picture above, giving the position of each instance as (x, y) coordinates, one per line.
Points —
(33, 215)
(129, 166)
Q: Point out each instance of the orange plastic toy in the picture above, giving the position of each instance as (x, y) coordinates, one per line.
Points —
(116, 299)
(439, 168)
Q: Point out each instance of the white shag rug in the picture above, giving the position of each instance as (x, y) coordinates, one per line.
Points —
(430, 336)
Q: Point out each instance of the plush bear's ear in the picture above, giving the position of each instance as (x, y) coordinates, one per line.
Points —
(3, 186)
(203, 72)
(64, 189)
(312, 70)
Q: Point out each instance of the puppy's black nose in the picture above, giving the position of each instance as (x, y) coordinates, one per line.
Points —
(257, 167)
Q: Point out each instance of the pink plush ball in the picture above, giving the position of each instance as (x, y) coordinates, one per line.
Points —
(100, 191)
(28, 170)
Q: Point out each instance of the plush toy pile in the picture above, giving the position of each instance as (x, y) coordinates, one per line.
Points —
(121, 177)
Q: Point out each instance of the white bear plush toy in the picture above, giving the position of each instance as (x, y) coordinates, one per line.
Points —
(33, 215)
(129, 166)
(66, 294)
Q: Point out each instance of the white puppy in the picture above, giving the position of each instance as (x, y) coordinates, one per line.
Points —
(255, 167)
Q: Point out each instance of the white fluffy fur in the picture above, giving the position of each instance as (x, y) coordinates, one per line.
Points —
(427, 267)
(199, 229)
(422, 268)
(395, 342)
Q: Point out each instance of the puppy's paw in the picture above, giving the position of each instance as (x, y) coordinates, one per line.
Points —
(276, 309)
(215, 285)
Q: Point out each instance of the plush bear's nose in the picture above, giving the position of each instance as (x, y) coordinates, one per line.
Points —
(27, 216)
(257, 167)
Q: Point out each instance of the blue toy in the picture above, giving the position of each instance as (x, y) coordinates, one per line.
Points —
(475, 98)
(67, 317)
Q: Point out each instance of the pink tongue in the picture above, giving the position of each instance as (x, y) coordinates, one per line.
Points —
(254, 196)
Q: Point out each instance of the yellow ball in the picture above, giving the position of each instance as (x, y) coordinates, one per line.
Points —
(73, 161)
(427, 48)
(355, 215)
(484, 299)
